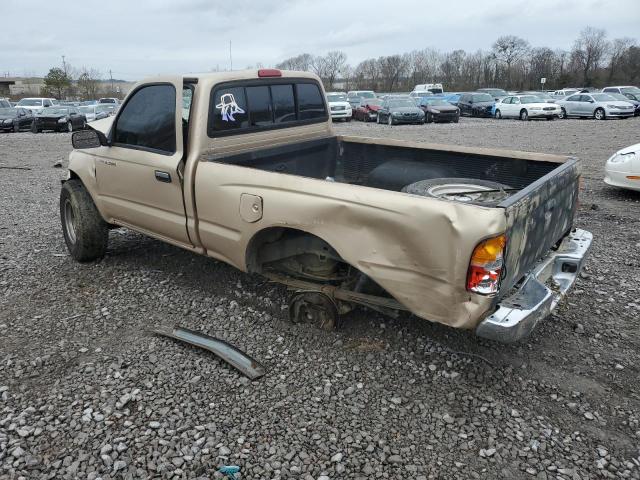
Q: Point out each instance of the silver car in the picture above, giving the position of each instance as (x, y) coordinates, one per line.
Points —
(594, 105)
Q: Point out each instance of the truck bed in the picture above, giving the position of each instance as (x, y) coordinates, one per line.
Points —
(539, 213)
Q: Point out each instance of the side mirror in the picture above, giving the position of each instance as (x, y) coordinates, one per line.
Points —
(88, 139)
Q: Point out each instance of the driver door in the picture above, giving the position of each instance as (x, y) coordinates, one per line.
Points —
(138, 181)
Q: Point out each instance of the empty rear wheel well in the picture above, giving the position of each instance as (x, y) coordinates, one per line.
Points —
(277, 243)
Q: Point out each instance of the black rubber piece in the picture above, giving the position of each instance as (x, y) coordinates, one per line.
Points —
(92, 232)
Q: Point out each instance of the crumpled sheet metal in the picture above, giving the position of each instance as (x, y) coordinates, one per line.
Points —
(235, 357)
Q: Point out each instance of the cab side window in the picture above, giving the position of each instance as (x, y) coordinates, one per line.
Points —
(147, 121)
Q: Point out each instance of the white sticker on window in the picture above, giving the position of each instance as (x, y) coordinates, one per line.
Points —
(228, 107)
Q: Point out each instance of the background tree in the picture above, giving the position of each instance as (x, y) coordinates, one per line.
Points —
(89, 84)
(588, 52)
(508, 50)
(57, 82)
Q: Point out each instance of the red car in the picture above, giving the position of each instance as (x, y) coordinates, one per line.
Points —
(367, 111)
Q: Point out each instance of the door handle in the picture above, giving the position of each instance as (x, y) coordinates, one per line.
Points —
(163, 176)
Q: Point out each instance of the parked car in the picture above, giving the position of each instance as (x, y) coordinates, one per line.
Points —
(390, 232)
(361, 94)
(526, 107)
(339, 107)
(563, 93)
(4, 103)
(452, 98)
(438, 110)
(69, 103)
(623, 168)
(37, 103)
(634, 97)
(109, 100)
(93, 112)
(15, 119)
(624, 89)
(496, 93)
(594, 105)
(544, 96)
(420, 94)
(109, 108)
(88, 102)
(59, 119)
(435, 88)
(397, 110)
(628, 97)
(367, 111)
(476, 104)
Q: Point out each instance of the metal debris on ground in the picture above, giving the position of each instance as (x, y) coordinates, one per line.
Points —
(235, 357)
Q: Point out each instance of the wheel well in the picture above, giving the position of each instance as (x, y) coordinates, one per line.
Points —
(276, 243)
(73, 175)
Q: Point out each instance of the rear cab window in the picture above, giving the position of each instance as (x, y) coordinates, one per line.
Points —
(255, 105)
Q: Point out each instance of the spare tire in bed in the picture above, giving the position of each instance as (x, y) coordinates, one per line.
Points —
(467, 190)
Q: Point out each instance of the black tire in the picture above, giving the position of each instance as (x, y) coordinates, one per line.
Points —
(563, 114)
(599, 114)
(457, 119)
(498, 114)
(429, 118)
(16, 127)
(85, 231)
(427, 188)
(390, 120)
(524, 115)
(33, 128)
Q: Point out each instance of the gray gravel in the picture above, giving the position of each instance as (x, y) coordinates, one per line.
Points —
(86, 392)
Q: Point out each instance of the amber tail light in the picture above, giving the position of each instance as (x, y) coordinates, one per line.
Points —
(486, 266)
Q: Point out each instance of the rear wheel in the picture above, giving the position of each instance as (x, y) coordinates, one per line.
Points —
(524, 115)
(313, 308)
(599, 114)
(429, 118)
(85, 232)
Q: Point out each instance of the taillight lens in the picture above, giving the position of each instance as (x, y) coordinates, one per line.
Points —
(485, 268)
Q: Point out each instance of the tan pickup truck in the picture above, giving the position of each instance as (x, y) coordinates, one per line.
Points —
(244, 167)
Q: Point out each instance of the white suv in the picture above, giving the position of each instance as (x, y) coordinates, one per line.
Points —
(36, 103)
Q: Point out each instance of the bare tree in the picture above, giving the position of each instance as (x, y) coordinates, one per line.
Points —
(589, 50)
(302, 62)
(618, 48)
(88, 83)
(508, 50)
(333, 64)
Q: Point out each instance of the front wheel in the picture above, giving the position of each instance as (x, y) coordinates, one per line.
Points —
(85, 232)
(524, 115)
(16, 127)
(599, 114)
(429, 118)
(389, 121)
(562, 114)
(498, 114)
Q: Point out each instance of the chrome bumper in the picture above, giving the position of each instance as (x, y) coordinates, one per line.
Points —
(539, 293)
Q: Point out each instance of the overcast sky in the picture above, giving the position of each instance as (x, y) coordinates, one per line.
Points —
(137, 38)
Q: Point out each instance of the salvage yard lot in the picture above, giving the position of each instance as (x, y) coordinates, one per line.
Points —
(87, 392)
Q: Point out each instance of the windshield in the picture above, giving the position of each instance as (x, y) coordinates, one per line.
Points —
(435, 101)
(436, 90)
(30, 102)
(496, 92)
(602, 97)
(8, 111)
(337, 98)
(530, 99)
(366, 94)
(635, 90)
(55, 111)
(400, 103)
(482, 97)
(87, 109)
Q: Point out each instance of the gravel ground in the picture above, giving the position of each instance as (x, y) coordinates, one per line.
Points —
(86, 392)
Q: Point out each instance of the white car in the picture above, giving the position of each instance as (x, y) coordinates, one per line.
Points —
(526, 107)
(623, 168)
(595, 105)
(36, 103)
(339, 107)
(93, 112)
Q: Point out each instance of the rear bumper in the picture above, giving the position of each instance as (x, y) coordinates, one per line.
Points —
(539, 293)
